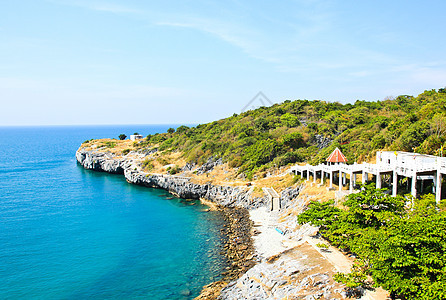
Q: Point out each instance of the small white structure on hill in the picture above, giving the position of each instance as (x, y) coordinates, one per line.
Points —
(135, 137)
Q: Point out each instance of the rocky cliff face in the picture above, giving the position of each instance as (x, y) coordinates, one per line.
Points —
(100, 161)
(227, 196)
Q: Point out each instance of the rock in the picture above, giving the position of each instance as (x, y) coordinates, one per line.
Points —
(322, 141)
(185, 292)
(180, 186)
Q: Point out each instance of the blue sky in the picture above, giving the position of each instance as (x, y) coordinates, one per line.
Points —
(66, 62)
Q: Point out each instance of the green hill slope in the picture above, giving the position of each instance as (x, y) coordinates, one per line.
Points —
(302, 130)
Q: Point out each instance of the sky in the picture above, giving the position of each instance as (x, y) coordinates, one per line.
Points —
(79, 62)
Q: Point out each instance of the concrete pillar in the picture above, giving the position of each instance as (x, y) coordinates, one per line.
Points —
(438, 187)
(352, 181)
(364, 177)
(331, 179)
(340, 180)
(395, 184)
(308, 174)
(344, 179)
(378, 180)
(314, 176)
(413, 189)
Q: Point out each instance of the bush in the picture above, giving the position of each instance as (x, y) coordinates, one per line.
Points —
(261, 152)
(125, 151)
(147, 165)
(173, 170)
(109, 144)
(122, 136)
(162, 161)
(289, 120)
(293, 140)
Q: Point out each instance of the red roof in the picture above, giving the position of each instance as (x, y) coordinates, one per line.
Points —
(336, 156)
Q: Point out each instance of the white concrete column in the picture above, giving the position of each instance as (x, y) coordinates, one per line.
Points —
(438, 187)
(352, 181)
(331, 180)
(378, 180)
(314, 176)
(395, 184)
(340, 180)
(413, 189)
(364, 177)
(344, 179)
(308, 174)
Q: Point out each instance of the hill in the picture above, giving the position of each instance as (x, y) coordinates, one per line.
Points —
(307, 131)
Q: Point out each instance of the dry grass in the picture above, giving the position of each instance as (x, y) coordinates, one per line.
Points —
(103, 145)
(319, 193)
(279, 183)
(161, 161)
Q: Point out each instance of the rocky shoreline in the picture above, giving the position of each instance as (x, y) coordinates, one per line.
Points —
(238, 250)
(233, 202)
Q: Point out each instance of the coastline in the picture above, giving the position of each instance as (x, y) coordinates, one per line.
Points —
(239, 250)
(269, 255)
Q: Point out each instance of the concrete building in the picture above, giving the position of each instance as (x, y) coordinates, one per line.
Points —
(135, 137)
(413, 167)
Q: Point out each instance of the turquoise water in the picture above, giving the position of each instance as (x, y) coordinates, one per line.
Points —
(69, 233)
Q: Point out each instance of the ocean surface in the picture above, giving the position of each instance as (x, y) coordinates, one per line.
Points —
(69, 233)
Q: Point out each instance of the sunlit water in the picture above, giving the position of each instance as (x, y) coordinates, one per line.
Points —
(69, 233)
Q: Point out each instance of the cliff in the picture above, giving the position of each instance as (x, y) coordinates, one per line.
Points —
(227, 196)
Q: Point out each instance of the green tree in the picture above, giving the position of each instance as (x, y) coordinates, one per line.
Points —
(289, 120)
(171, 130)
(122, 136)
(401, 248)
(261, 152)
(293, 140)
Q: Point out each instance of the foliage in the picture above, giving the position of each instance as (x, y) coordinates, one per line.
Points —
(356, 278)
(125, 151)
(401, 248)
(405, 123)
(122, 136)
(162, 161)
(147, 165)
(171, 130)
(290, 120)
(173, 170)
(261, 152)
(293, 140)
(109, 144)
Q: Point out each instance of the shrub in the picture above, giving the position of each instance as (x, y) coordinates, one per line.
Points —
(125, 151)
(109, 144)
(173, 170)
(289, 120)
(147, 165)
(293, 140)
(162, 161)
(122, 136)
(261, 152)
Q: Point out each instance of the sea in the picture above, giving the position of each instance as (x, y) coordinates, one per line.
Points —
(71, 233)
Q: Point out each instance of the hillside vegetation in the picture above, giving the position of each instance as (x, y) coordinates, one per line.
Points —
(401, 247)
(302, 130)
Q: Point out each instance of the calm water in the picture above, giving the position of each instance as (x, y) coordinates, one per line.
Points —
(68, 233)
